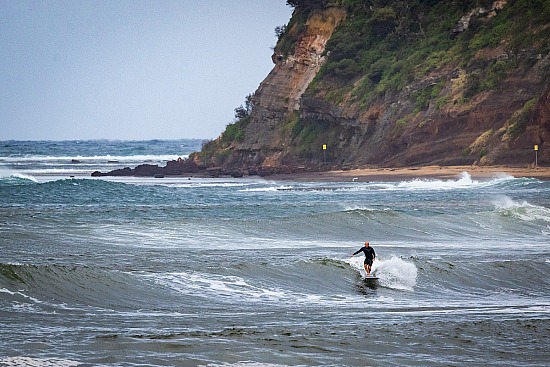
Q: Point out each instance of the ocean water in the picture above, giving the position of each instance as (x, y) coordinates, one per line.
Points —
(255, 272)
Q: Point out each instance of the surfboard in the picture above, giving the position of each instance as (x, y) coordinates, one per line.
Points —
(371, 277)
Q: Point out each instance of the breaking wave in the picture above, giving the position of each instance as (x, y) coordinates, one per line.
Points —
(521, 209)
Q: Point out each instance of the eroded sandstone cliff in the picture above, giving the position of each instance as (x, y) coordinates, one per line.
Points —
(490, 106)
(278, 97)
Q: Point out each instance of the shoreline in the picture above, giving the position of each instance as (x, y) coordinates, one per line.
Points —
(411, 173)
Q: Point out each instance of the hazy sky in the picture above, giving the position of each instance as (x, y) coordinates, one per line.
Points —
(131, 69)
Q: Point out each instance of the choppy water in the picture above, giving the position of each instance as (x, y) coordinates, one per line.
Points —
(253, 272)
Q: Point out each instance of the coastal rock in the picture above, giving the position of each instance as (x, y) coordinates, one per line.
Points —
(442, 115)
(172, 168)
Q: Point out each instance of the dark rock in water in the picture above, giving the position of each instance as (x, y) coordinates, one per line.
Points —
(148, 170)
(172, 168)
(117, 172)
(187, 166)
(75, 161)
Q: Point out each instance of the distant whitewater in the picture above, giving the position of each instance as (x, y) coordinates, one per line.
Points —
(133, 271)
(81, 158)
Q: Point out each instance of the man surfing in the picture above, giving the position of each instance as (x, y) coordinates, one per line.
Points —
(370, 255)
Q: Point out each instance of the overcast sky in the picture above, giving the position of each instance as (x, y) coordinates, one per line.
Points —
(131, 69)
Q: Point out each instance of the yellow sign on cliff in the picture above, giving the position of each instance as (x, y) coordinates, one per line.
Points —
(536, 147)
(324, 147)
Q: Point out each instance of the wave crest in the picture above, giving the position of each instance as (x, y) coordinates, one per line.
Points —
(9, 175)
(521, 209)
(394, 273)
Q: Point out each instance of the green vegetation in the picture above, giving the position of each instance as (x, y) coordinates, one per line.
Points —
(307, 4)
(219, 149)
(288, 35)
(309, 137)
(384, 46)
(234, 132)
(520, 119)
(409, 49)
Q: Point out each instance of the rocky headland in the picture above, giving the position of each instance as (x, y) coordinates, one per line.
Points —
(374, 84)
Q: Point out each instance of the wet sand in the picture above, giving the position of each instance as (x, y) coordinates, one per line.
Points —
(424, 172)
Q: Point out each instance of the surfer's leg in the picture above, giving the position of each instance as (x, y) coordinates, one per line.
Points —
(368, 265)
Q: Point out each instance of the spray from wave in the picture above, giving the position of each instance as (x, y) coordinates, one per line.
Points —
(464, 181)
(6, 173)
(521, 209)
(31, 361)
(394, 273)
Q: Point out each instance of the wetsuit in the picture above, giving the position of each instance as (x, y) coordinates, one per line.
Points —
(369, 254)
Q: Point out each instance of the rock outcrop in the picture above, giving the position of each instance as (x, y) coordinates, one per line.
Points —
(440, 117)
(278, 96)
(401, 83)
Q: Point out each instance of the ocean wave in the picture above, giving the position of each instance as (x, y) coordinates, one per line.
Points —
(394, 273)
(301, 283)
(269, 188)
(209, 183)
(324, 281)
(244, 364)
(521, 209)
(52, 287)
(483, 278)
(18, 178)
(463, 182)
(67, 159)
(366, 210)
(32, 361)
(73, 165)
(204, 284)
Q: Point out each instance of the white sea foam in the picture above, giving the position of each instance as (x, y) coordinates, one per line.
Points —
(4, 290)
(196, 183)
(38, 362)
(464, 181)
(245, 364)
(360, 208)
(396, 273)
(521, 209)
(268, 188)
(6, 172)
(393, 273)
(67, 165)
(95, 158)
(232, 288)
(199, 283)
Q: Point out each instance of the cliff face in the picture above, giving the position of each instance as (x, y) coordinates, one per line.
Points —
(464, 99)
(278, 97)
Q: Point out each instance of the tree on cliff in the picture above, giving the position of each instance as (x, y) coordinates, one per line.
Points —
(243, 112)
(307, 4)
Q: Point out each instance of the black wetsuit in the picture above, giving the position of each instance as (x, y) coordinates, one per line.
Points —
(369, 254)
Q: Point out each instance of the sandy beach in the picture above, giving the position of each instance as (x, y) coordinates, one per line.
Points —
(424, 172)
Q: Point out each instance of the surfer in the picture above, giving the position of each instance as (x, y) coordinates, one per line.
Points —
(370, 255)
